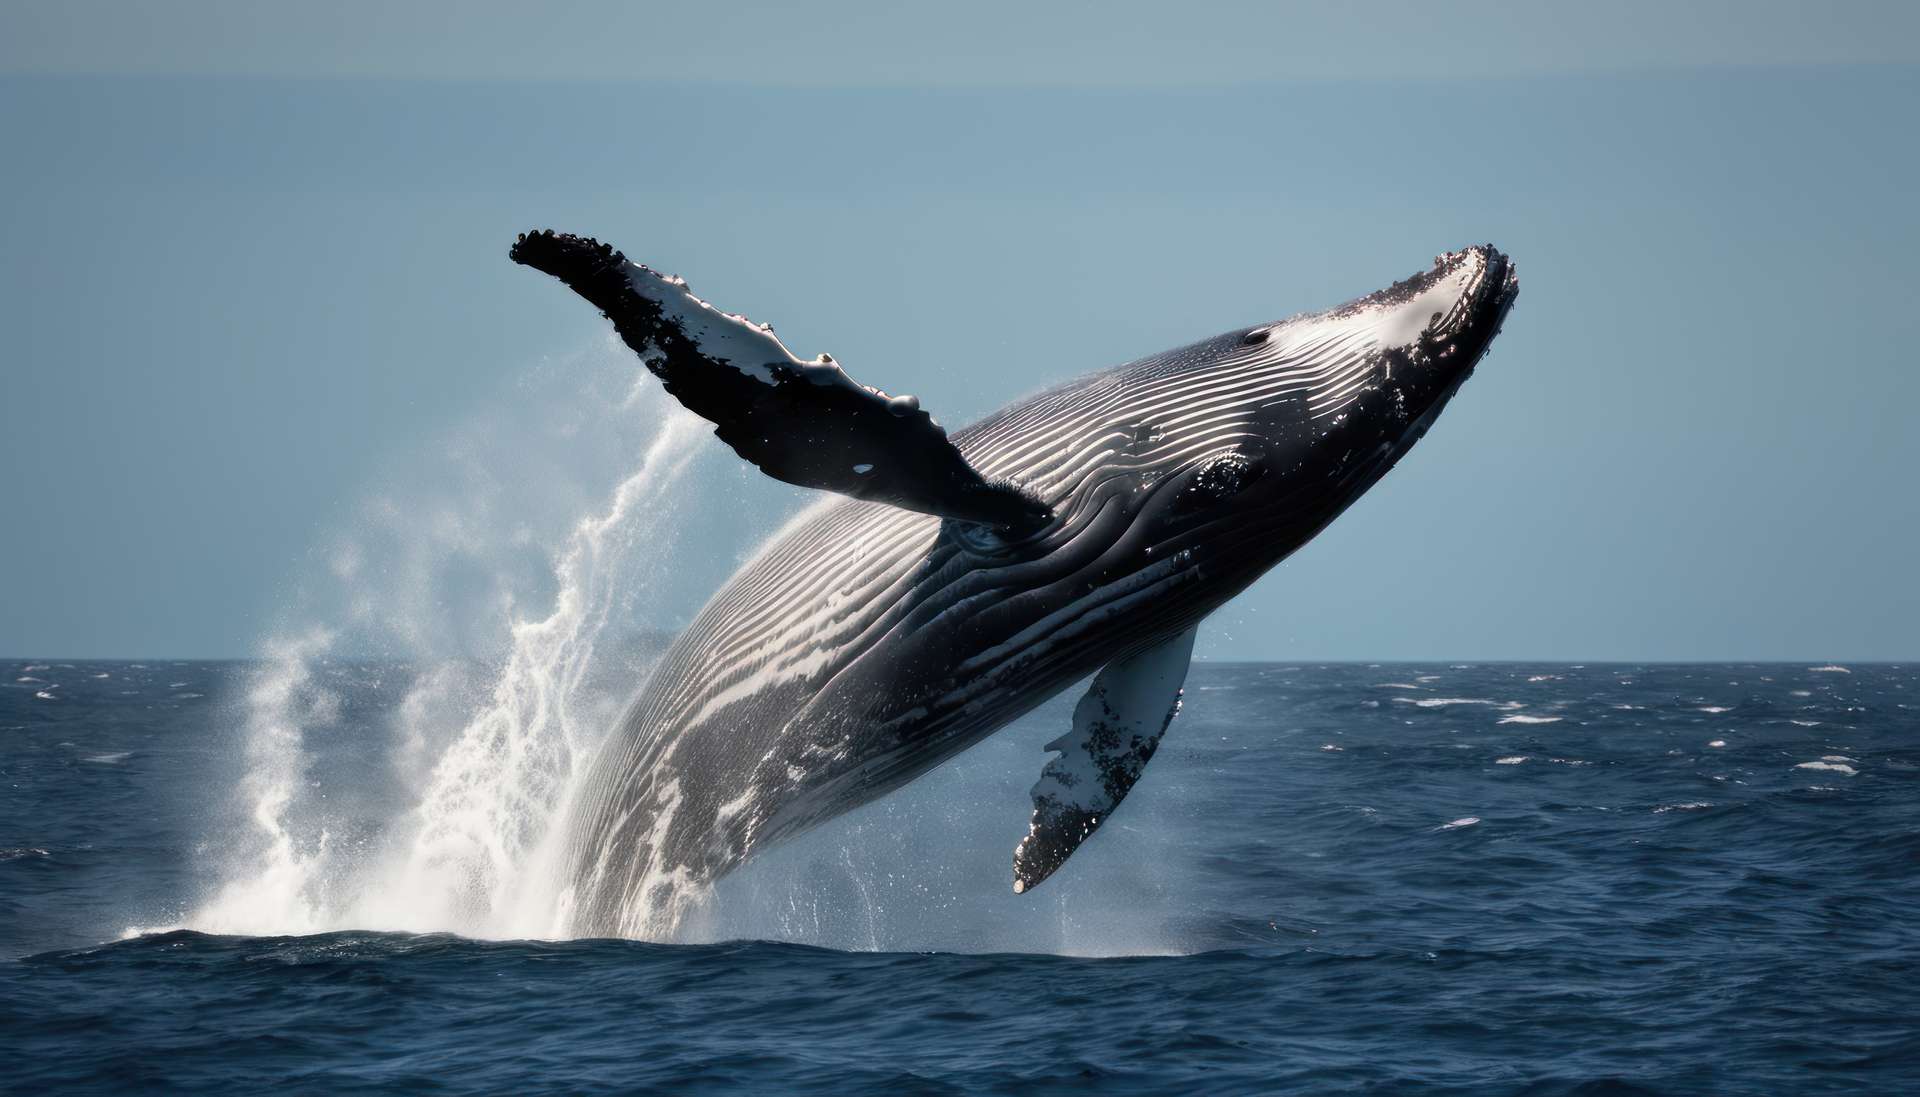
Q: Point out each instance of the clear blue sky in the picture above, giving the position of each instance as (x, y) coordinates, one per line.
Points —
(253, 256)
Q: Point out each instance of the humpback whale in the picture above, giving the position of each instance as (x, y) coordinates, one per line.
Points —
(952, 583)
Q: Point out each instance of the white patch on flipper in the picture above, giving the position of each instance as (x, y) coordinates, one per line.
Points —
(1116, 728)
(739, 342)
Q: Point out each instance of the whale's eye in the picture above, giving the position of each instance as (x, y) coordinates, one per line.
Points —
(1256, 337)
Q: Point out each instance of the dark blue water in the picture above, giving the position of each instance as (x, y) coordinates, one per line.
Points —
(1346, 879)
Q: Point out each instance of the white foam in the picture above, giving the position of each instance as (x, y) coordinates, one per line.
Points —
(1523, 718)
(1717, 743)
(1692, 805)
(1443, 702)
(1510, 760)
(1830, 668)
(491, 762)
(1463, 821)
(273, 893)
(1833, 767)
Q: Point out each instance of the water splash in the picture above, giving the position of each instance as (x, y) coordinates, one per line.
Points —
(483, 853)
(285, 887)
(481, 755)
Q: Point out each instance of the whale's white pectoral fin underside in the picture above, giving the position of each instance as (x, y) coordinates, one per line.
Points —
(1116, 728)
(806, 423)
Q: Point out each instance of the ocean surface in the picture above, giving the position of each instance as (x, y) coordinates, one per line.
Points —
(1504, 879)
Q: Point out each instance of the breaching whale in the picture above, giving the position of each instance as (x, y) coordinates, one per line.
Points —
(964, 580)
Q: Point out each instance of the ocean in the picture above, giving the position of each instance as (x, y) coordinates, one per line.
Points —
(1432, 879)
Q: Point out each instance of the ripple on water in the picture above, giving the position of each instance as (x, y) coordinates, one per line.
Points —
(1447, 702)
(1609, 933)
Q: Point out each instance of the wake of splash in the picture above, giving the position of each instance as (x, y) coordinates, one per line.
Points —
(488, 750)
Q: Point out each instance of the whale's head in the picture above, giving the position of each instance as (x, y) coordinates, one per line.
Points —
(1202, 467)
(1273, 430)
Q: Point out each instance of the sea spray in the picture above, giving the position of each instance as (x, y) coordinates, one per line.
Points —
(282, 887)
(501, 710)
(479, 855)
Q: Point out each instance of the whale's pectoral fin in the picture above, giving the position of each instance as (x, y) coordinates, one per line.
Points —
(1116, 728)
(806, 423)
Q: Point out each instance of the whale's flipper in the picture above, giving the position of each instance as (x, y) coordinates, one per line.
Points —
(806, 423)
(1116, 728)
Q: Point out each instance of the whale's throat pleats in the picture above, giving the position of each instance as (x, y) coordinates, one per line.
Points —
(804, 422)
(1116, 729)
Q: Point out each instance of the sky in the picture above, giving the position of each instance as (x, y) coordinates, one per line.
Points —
(254, 274)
